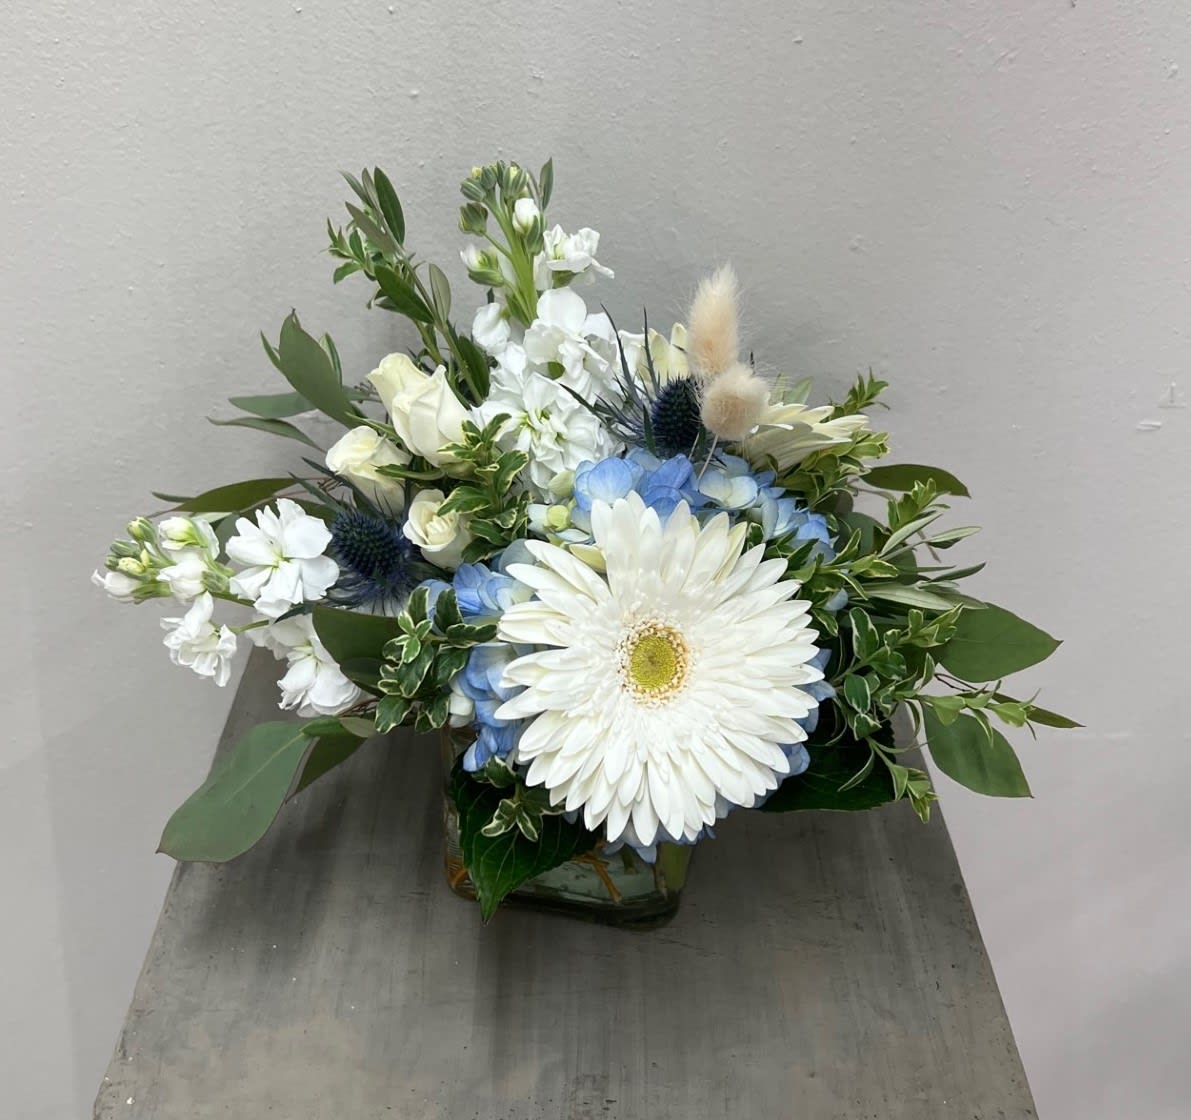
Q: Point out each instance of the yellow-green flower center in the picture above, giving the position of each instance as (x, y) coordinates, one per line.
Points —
(654, 659)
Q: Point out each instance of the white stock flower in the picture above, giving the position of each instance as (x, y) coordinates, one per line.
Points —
(548, 424)
(178, 533)
(313, 683)
(283, 552)
(424, 411)
(490, 329)
(195, 642)
(788, 433)
(442, 537)
(670, 688)
(573, 252)
(185, 576)
(356, 456)
(567, 344)
(525, 213)
(117, 584)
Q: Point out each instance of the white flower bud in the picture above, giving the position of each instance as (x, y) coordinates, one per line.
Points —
(358, 455)
(424, 411)
(525, 213)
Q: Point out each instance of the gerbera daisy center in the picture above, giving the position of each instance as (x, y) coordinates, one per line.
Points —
(654, 659)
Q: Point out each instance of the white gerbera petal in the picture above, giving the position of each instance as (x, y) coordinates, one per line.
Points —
(662, 691)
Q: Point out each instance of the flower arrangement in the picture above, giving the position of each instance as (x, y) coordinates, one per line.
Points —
(631, 569)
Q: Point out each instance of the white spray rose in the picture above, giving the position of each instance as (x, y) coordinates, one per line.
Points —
(424, 411)
(442, 537)
(356, 457)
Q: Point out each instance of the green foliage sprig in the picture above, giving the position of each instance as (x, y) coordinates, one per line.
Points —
(491, 496)
(430, 649)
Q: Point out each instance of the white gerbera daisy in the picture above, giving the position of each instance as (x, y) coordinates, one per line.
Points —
(672, 681)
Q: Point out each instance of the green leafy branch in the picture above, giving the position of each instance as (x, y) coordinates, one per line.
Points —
(374, 244)
(493, 192)
(419, 663)
(491, 496)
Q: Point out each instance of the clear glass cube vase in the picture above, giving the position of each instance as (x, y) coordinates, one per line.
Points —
(620, 889)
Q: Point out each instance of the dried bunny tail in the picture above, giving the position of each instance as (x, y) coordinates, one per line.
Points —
(734, 402)
(712, 333)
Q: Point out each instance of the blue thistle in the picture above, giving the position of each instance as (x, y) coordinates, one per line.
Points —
(378, 566)
(674, 417)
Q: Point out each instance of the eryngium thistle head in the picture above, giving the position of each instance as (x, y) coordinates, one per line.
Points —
(674, 417)
(378, 566)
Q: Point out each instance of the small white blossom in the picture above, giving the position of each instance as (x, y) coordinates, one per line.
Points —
(566, 343)
(548, 424)
(442, 537)
(490, 329)
(313, 682)
(117, 584)
(185, 576)
(283, 552)
(573, 252)
(195, 642)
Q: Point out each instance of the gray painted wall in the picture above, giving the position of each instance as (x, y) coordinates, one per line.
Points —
(986, 202)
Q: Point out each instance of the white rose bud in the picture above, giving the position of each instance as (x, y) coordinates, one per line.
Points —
(442, 537)
(424, 411)
(525, 213)
(358, 455)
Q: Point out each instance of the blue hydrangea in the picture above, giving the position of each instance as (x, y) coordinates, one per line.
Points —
(480, 682)
(820, 690)
(485, 592)
(726, 485)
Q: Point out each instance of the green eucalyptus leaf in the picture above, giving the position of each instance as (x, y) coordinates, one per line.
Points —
(307, 366)
(274, 428)
(992, 643)
(235, 496)
(349, 635)
(440, 290)
(402, 296)
(234, 807)
(910, 597)
(273, 406)
(975, 755)
(389, 205)
(329, 751)
(903, 476)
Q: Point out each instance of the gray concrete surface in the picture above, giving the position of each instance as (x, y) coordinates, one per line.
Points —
(821, 967)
